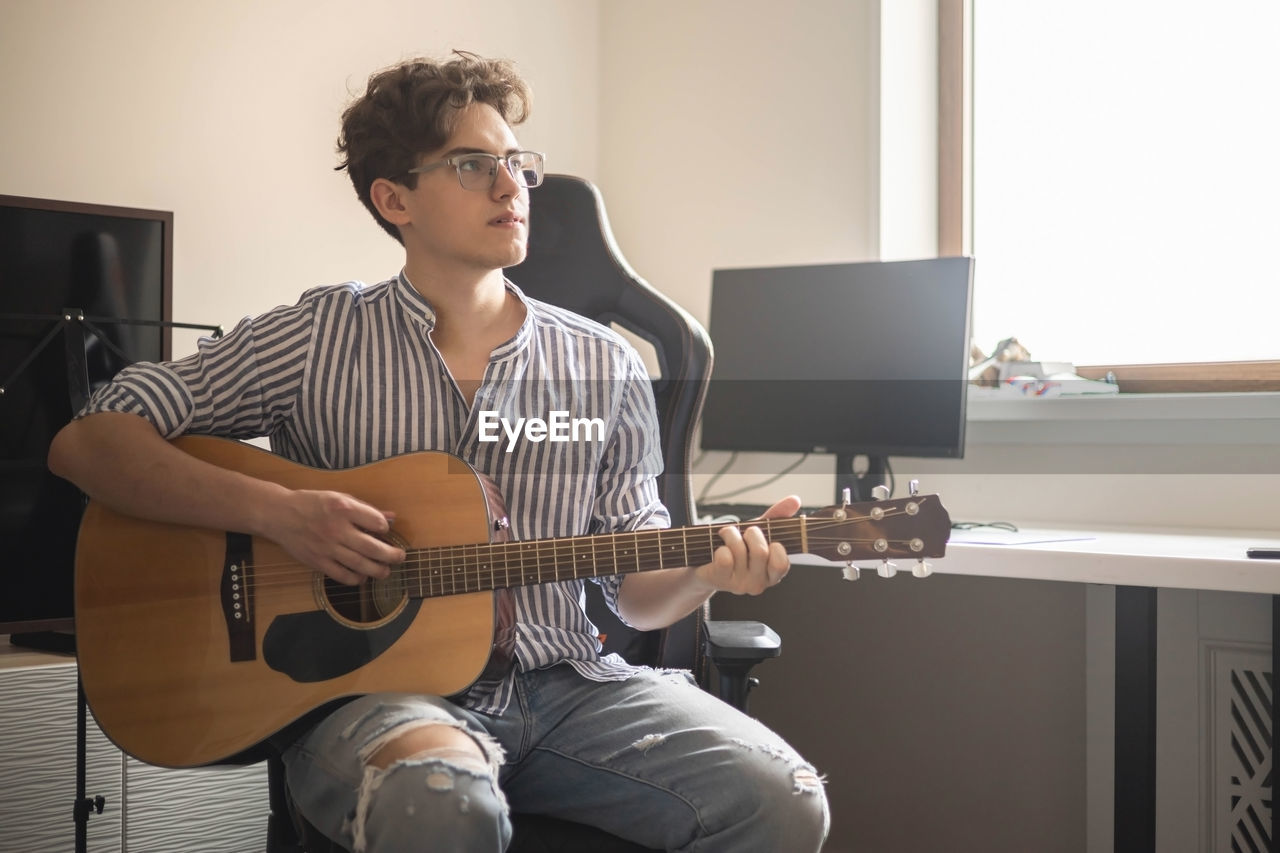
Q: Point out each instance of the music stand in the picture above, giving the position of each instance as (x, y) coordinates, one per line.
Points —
(77, 364)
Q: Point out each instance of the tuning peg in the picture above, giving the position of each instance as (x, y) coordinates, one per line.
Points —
(846, 496)
(922, 569)
(887, 569)
(851, 572)
(880, 493)
(914, 487)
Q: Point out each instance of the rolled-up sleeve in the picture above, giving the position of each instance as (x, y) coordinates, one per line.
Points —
(628, 495)
(238, 386)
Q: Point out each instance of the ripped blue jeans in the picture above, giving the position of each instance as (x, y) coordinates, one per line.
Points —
(653, 759)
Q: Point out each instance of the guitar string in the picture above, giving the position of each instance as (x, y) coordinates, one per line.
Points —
(557, 549)
(461, 573)
(463, 582)
(552, 550)
(648, 547)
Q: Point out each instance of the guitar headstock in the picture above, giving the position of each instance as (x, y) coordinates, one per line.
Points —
(915, 527)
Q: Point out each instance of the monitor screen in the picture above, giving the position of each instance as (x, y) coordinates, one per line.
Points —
(111, 263)
(850, 359)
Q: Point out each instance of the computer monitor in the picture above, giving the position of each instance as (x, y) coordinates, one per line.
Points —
(862, 359)
(111, 263)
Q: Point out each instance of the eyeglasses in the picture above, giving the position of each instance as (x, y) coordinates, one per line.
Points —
(478, 171)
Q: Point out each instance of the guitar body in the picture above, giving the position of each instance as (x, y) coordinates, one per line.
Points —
(197, 645)
(176, 678)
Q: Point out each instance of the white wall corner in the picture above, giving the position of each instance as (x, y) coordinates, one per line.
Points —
(905, 124)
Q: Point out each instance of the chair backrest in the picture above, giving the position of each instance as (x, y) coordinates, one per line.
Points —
(574, 262)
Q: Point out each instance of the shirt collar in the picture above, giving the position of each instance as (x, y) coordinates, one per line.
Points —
(414, 303)
(417, 307)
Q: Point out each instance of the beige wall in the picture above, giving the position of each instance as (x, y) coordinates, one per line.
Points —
(736, 134)
(226, 114)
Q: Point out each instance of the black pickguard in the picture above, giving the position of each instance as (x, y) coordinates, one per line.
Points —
(314, 646)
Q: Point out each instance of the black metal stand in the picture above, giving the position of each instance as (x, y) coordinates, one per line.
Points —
(84, 806)
(77, 364)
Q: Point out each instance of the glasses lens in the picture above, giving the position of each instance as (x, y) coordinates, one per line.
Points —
(476, 171)
(526, 167)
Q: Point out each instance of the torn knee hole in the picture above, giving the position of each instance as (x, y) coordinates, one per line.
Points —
(415, 738)
(807, 780)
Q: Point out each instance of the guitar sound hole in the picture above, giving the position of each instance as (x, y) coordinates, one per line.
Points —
(369, 603)
(372, 602)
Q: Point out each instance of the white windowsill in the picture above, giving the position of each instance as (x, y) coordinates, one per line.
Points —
(1180, 419)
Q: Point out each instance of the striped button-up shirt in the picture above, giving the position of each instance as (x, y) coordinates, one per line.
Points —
(349, 375)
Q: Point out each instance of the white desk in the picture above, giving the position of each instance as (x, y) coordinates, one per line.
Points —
(1136, 562)
(1118, 556)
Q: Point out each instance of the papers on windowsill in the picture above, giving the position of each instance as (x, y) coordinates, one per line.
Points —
(1053, 385)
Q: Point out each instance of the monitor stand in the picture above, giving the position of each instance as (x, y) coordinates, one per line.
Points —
(58, 642)
(859, 483)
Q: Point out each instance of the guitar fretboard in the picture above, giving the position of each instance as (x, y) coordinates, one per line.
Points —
(454, 569)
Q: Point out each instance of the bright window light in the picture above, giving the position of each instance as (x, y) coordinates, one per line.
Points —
(1127, 179)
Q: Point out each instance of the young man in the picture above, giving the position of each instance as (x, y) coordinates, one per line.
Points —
(352, 374)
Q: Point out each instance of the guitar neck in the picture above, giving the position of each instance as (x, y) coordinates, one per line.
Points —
(454, 569)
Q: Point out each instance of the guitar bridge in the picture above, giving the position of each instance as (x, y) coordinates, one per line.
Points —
(237, 597)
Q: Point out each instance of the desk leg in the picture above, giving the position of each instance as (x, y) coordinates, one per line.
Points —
(1135, 794)
(1275, 716)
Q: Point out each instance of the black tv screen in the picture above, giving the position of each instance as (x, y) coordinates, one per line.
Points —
(849, 359)
(110, 263)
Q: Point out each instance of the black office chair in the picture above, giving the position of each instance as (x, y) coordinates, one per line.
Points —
(573, 262)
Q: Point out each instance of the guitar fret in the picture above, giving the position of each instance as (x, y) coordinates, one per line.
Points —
(486, 579)
(663, 540)
(473, 567)
(627, 555)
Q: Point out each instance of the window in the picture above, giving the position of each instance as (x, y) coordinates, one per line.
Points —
(1125, 183)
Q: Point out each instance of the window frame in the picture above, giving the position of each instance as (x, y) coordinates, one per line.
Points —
(955, 222)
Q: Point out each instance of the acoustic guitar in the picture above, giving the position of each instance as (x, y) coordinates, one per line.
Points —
(196, 645)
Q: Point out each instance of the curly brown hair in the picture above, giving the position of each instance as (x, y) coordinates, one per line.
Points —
(412, 108)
